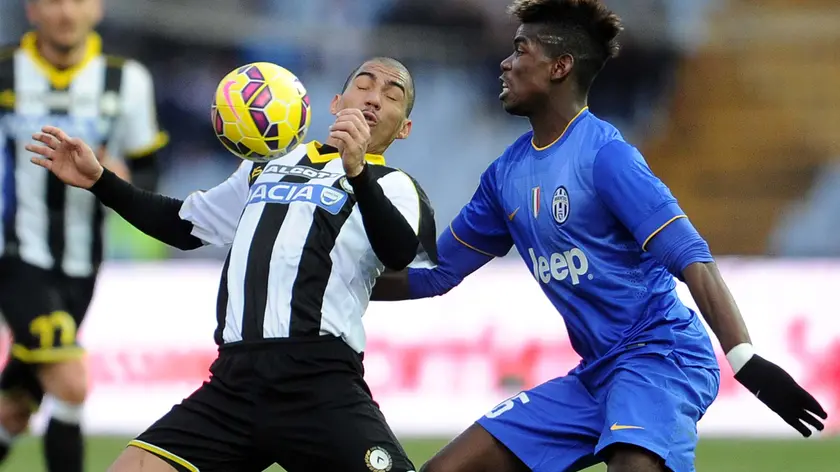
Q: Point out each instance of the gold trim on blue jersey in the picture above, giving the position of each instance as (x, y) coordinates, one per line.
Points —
(658, 230)
(59, 78)
(568, 125)
(468, 244)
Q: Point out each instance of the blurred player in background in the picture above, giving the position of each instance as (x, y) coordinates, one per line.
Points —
(52, 234)
(309, 233)
(604, 238)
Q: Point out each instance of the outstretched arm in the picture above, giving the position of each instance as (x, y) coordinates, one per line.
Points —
(154, 214)
(455, 262)
(645, 206)
(475, 236)
(203, 217)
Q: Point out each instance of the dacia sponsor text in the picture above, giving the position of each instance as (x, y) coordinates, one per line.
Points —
(329, 198)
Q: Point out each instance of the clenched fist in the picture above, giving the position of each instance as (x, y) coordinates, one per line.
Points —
(353, 135)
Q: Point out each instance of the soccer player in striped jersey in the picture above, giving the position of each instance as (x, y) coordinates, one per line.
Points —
(605, 239)
(51, 237)
(309, 233)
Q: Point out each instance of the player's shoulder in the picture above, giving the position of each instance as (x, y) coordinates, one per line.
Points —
(393, 177)
(132, 69)
(603, 138)
(517, 150)
(382, 172)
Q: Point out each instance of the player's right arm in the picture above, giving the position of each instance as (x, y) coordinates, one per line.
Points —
(476, 236)
(204, 217)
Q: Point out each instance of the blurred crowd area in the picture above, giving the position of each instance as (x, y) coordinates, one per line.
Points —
(453, 48)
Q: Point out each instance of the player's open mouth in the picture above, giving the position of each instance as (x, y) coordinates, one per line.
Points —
(505, 88)
(370, 117)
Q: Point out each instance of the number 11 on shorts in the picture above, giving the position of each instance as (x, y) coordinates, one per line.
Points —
(508, 404)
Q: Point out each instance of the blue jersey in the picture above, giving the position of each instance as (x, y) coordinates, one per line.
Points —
(581, 212)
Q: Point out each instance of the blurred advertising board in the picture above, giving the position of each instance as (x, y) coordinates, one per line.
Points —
(436, 365)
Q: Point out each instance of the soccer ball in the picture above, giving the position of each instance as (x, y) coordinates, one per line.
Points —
(260, 112)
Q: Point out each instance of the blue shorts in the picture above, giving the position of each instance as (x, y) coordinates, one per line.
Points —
(648, 400)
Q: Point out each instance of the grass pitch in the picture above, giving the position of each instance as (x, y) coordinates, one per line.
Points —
(719, 455)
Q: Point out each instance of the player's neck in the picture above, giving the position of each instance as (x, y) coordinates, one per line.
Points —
(548, 124)
(332, 142)
(371, 150)
(61, 58)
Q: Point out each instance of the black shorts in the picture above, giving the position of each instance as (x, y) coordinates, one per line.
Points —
(43, 310)
(302, 404)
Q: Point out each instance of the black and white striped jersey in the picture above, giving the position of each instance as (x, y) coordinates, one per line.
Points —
(300, 263)
(106, 101)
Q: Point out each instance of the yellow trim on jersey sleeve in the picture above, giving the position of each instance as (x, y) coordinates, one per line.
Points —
(7, 99)
(47, 356)
(161, 140)
(561, 134)
(468, 244)
(315, 156)
(160, 452)
(59, 78)
(658, 230)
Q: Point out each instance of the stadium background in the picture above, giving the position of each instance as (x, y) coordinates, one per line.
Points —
(735, 104)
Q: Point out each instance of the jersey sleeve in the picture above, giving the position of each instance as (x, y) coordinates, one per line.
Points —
(140, 134)
(215, 213)
(481, 223)
(637, 197)
(411, 201)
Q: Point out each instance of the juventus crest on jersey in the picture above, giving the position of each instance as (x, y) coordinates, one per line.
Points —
(105, 101)
(300, 263)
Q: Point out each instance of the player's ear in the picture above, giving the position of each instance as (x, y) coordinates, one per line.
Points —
(98, 12)
(405, 130)
(335, 104)
(32, 13)
(562, 67)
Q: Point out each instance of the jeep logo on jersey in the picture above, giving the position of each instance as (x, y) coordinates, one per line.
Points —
(571, 264)
(328, 198)
(300, 171)
(560, 205)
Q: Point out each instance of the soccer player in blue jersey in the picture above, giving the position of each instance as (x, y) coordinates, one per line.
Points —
(604, 238)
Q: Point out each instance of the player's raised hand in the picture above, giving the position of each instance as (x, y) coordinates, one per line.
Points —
(353, 134)
(70, 159)
(779, 391)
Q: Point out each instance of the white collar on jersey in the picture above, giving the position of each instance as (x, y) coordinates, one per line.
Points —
(60, 79)
(315, 156)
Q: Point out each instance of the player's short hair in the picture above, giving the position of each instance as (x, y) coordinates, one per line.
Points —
(585, 29)
(390, 62)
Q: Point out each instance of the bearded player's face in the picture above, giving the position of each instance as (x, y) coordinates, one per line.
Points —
(64, 24)
(381, 92)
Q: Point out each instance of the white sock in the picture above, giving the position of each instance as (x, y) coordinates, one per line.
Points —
(66, 412)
